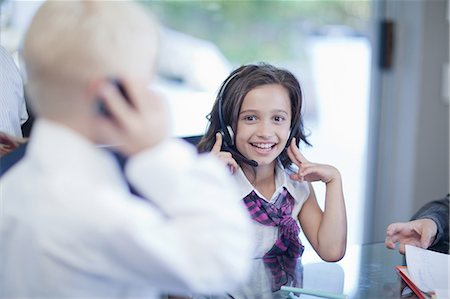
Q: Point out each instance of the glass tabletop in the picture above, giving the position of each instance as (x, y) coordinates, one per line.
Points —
(367, 271)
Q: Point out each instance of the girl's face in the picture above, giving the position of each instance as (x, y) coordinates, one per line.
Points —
(264, 123)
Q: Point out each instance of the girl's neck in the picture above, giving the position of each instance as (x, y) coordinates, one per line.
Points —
(262, 178)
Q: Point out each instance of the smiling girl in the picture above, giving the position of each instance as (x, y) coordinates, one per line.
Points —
(255, 129)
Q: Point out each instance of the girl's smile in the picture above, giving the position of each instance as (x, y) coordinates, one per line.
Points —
(263, 145)
(263, 148)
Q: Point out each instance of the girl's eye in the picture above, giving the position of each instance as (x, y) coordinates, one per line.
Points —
(250, 118)
(279, 118)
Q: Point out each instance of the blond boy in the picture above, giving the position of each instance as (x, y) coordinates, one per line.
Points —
(69, 226)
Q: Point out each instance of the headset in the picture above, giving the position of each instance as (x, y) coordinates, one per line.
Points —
(227, 132)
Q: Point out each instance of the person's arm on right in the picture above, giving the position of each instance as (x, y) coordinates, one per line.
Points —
(438, 211)
(419, 233)
(428, 228)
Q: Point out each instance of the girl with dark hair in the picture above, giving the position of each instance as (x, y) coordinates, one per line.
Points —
(255, 128)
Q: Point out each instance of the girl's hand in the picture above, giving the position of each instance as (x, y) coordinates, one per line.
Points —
(310, 172)
(225, 157)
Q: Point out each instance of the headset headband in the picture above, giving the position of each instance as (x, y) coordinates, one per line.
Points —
(227, 131)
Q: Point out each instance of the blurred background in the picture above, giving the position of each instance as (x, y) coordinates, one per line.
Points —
(374, 75)
(324, 43)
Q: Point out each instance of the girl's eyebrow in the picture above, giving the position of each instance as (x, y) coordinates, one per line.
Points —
(257, 111)
(248, 111)
(280, 111)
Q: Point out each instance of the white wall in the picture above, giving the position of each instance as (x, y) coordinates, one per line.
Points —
(409, 148)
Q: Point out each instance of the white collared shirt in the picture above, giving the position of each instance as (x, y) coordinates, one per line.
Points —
(13, 112)
(265, 236)
(69, 228)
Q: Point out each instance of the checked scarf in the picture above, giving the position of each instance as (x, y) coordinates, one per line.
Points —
(282, 258)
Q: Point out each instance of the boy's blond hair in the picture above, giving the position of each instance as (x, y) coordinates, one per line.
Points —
(70, 43)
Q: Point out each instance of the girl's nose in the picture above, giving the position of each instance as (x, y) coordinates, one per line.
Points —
(265, 130)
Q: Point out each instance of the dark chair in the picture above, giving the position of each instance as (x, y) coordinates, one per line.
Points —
(28, 125)
(194, 140)
(11, 158)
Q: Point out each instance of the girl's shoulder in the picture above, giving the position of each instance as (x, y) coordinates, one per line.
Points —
(244, 187)
(299, 190)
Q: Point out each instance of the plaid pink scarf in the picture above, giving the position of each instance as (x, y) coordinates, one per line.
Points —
(282, 258)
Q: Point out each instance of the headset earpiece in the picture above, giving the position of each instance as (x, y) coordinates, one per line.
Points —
(289, 139)
(231, 134)
(226, 131)
(225, 138)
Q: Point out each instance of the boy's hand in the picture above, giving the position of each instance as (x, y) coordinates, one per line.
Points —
(225, 157)
(310, 172)
(134, 125)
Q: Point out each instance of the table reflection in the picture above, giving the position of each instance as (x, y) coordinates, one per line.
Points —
(269, 275)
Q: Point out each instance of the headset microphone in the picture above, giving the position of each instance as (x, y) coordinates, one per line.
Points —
(240, 157)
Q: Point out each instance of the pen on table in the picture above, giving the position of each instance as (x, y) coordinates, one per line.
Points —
(316, 293)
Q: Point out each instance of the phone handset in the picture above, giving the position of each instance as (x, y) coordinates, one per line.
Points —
(101, 107)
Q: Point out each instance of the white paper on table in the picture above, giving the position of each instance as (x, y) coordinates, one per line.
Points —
(442, 294)
(428, 269)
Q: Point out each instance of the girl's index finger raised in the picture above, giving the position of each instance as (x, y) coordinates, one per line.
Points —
(218, 144)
